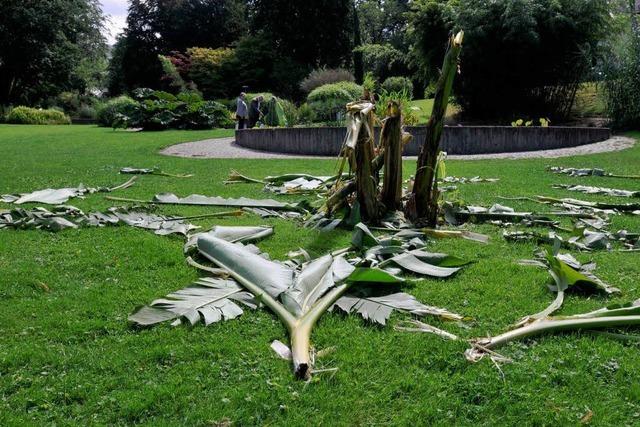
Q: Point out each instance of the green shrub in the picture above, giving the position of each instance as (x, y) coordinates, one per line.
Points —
(409, 115)
(290, 112)
(328, 102)
(157, 110)
(306, 115)
(398, 85)
(107, 112)
(33, 116)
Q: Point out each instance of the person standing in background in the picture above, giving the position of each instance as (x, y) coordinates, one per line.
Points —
(242, 112)
(255, 110)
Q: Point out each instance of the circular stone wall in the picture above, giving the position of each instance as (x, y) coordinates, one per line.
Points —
(326, 141)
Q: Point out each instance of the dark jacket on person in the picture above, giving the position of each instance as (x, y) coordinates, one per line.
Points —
(254, 112)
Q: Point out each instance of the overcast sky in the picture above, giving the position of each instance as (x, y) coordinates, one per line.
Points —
(116, 11)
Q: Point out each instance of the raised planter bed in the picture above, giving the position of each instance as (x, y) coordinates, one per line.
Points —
(326, 141)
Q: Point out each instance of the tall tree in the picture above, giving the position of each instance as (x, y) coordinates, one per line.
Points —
(161, 26)
(383, 21)
(306, 35)
(523, 57)
(48, 46)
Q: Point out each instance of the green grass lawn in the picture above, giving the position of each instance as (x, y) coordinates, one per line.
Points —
(68, 356)
(425, 106)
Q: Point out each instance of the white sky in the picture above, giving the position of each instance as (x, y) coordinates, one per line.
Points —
(116, 12)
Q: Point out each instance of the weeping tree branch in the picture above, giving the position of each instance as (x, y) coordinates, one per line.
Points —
(423, 204)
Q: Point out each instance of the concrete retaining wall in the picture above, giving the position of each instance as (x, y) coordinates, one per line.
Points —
(326, 141)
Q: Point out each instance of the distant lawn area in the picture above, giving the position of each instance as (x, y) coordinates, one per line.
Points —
(424, 107)
(69, 357)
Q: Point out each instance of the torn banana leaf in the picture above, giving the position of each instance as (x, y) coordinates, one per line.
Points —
(246, 267)
(405, 250)
(378, 309)
(206, 301)
(298, 186)
(270, 213)
(233, 234)
(590, 240)
(464, 180)
(568, 202)
(59, 196)
(199, 200)
(588, 172)
(63, 217)
(456, 215)
(599, 190)
(569, 274)
(151, 171)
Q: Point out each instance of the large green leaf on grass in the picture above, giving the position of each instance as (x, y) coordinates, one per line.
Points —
(246, 266)
(206, 301)
(315, 279)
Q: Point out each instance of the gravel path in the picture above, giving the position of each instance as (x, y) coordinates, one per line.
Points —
(226, 148)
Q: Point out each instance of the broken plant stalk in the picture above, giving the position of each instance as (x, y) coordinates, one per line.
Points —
(423, 204)
(391, 141)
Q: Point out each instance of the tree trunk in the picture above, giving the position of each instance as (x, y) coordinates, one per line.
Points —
(391, 143)
(423, 204)
(366, 185)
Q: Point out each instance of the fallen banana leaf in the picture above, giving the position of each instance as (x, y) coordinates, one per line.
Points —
(464, 180)
(598, 190)
(378, 309)
(621, 207)
(233, 234)
(152, 171)
(63, 217)
(207, 300)
(269, 213)
(457, 215)
(482, 347)
(300, 295)
(568, 274)
(200, 200)
(59, 196)
(588, 241)
(588, 172)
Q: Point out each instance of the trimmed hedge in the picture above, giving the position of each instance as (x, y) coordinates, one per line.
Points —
(33, 116)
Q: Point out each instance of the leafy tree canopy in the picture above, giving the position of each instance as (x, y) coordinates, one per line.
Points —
(521, 56)
(49, 46)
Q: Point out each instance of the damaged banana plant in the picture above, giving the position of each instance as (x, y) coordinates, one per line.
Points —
(300, 293)
(362, 191)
